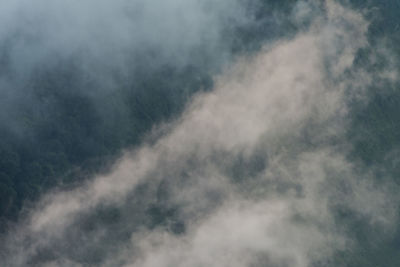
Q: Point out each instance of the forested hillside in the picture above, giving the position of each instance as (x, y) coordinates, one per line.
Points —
(70, 109)
(67, 124)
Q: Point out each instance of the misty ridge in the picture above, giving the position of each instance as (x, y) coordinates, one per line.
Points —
(199, 133)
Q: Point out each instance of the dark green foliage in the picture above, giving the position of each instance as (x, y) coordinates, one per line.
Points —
(74, 132)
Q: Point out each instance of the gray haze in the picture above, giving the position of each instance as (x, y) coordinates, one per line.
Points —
(107, 31)
(105, 43)
(252, 174)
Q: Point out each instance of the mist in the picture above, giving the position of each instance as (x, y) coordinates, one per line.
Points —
(105, 43)
(81, 81)
(256, 171)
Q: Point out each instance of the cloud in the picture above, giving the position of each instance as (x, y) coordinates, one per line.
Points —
(97, 47)
(253, 173)
(108, 31)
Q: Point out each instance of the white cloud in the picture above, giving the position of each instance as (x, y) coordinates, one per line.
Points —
(288, 106)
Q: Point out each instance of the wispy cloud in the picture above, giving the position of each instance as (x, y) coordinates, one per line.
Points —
(253, 173)
(102, 45)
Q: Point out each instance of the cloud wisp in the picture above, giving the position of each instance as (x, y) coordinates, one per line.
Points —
(101, 45)
(254, 173)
